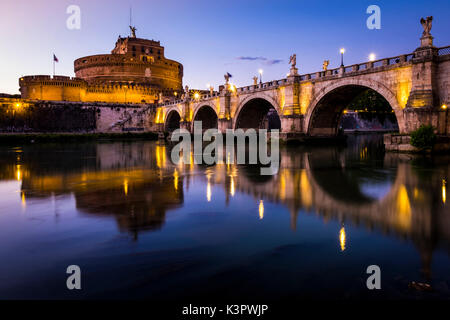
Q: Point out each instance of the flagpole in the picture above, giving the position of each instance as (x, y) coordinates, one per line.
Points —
(53, 65)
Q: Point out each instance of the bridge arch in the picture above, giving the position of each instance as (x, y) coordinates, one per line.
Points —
(207, 114)
(254, 110)
(172, 120)
(328, 104)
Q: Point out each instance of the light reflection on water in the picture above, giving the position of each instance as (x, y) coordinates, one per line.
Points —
(140, 226)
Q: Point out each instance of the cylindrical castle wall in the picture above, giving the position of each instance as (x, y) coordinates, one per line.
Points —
(57, 88)
(110, 68)
(121, 94)
(66, 89)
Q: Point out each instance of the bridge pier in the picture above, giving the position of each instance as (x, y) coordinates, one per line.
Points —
(292, 128)
(292, 123)
(186, 125)
(426, 104)
(224, 124)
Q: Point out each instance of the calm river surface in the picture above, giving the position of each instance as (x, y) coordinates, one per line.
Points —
(140, 227)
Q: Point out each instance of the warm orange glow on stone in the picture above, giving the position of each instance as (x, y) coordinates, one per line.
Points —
(403, 90)
(282, 93)
(159, 115)
(305, 96)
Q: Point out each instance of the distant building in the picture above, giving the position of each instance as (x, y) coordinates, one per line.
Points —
(136, 71)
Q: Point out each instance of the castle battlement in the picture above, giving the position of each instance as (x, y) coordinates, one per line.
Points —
(49, 79)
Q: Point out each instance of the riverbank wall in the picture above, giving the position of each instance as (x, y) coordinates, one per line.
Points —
(19, 116)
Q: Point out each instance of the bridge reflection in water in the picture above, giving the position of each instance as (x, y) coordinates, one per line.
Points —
(137, 184)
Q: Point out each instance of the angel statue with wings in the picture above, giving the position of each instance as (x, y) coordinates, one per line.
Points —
(426, 24)
(293, 60)
(133, 31)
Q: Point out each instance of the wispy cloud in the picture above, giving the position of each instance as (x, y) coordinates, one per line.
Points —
(264, 59)
(252, 58)
(274, 61)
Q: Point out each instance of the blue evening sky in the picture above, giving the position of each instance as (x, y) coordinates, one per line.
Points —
(208, 37)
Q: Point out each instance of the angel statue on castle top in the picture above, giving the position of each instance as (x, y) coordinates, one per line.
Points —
(133, 31)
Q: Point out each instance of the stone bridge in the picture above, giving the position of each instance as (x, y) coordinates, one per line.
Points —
(416, 85)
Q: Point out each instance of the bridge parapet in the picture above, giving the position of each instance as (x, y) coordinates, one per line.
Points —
(359, 68)
(444, 51)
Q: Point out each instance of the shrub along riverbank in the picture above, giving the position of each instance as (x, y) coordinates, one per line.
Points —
(13, 138)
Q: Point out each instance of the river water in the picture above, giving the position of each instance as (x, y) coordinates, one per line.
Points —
(139, 226)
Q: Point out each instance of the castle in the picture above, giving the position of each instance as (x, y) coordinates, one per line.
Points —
(136, 71)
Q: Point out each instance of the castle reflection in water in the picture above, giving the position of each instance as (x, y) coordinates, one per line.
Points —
(137, 184)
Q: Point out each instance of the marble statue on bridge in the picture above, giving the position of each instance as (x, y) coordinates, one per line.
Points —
(293, 60)
(227, 77)
(427, 38)
(293, 63)
(426, 24)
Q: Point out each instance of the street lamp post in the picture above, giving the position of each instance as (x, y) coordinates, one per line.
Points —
(210, 88)
(260, 75)
(342, 57)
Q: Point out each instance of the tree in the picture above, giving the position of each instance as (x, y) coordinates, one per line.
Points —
(371, 104)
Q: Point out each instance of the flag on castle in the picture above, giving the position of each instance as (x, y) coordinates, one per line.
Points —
(55, 59)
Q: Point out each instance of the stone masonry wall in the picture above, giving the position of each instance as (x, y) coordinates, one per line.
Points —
(443, 81)
(18, 115)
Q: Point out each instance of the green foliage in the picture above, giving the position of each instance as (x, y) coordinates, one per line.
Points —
(371, 104)
(369, 101)
(423, 138)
